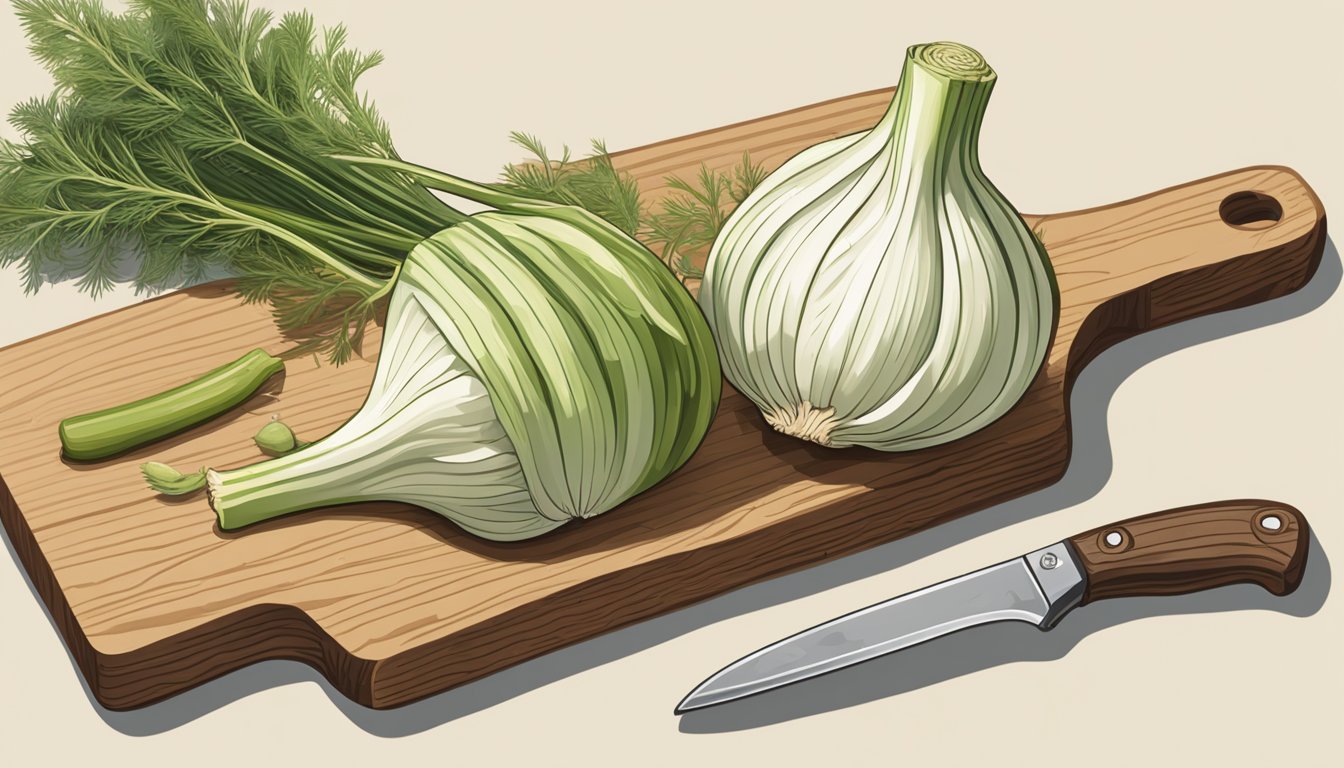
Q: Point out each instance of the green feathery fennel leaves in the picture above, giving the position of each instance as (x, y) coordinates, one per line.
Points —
(681, 224)
(198, 133)
(593, 184)
(691, 217)
(192, 137)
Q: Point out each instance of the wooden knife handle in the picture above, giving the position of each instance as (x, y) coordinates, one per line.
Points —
(1195, 548)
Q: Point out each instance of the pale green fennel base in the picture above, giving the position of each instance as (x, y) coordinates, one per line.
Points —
(427, 435)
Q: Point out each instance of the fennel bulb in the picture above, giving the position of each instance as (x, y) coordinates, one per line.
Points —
(537, 366)
(877, 289)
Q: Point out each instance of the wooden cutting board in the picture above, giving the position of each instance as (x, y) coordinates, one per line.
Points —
(393, 604)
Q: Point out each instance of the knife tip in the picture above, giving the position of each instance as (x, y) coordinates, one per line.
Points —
(684, 706)
(691, 702)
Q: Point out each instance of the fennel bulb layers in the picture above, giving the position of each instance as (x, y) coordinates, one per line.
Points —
(537, 366)
(877, 289)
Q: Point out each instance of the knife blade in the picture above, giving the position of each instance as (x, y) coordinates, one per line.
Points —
(1173, 552)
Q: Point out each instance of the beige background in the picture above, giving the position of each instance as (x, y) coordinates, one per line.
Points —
(1093, 105)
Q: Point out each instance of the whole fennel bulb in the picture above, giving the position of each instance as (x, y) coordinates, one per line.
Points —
(538, 366)
(877, 290)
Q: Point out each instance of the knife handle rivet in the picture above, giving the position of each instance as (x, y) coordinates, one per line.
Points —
(1271, 522)
(1114, 539)
(1049, 561)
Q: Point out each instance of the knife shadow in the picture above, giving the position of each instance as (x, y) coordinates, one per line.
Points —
(990, 645)
(952, 656)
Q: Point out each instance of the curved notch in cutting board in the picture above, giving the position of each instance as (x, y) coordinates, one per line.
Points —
(394, 604)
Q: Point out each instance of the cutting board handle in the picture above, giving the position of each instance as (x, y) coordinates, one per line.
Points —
(1219, 243)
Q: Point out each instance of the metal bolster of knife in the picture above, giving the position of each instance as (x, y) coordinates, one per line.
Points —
(1061, 579)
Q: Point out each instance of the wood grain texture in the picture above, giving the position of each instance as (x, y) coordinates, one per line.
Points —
(393, 603)
(1194, 548)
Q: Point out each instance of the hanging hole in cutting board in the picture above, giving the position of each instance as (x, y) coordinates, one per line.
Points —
(1250, 210)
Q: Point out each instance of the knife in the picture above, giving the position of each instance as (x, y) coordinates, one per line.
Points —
(1167, 553)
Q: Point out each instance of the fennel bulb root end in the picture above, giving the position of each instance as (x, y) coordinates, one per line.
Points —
(804, 421)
